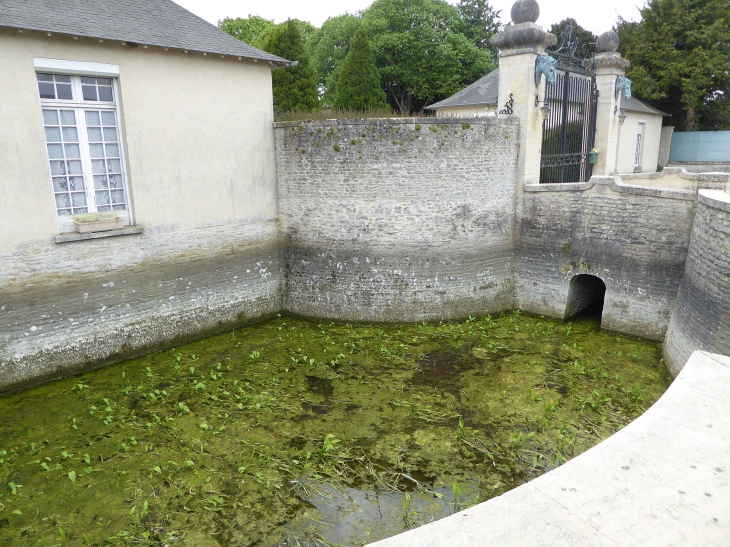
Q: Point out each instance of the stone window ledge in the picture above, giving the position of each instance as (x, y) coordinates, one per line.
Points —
(74, 236)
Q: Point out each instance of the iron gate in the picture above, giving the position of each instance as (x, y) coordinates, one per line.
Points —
(569, 126)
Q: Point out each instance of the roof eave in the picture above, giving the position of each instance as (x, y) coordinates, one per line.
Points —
(274, 60)
(437, 106)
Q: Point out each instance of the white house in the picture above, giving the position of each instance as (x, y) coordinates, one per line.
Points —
(140, 109)
(639, 137)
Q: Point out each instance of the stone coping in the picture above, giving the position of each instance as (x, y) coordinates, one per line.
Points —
(717, 176)
(446, 120)
(663, 480)
(715, 198)
(614, 183)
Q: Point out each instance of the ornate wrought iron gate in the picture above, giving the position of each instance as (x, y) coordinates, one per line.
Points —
(569, 125)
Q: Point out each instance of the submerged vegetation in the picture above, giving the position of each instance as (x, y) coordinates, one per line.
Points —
(293, 433)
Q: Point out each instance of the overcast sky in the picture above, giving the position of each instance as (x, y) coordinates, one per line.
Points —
(595, 16)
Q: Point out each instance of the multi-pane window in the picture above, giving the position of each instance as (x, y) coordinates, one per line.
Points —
(82, 137)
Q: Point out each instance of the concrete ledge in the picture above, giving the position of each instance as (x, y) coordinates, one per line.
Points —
(74, 236)
(664, 480)
(616, 184)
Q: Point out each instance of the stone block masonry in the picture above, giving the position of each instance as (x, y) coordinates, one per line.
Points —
(379, 220)
(634, 239)
(701, 317)
(399, 219)
(67, 307)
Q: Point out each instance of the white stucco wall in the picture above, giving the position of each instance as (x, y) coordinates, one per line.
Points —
(197, 129)
(627, 142)
(466, 111)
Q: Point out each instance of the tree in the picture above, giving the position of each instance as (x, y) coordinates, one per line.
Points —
(481, 21)
(329, 46)
(358, 87)
(680, 60)
(253, 30)
(586, 39)
(294, 87)
(421, 51)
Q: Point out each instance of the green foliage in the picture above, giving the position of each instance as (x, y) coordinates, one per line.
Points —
(421, 51)
(253, 29)
(329, 46)
(358, 87)
(480, 20)
(293, 87)
(585, 37)
(324, 408)
(680, 60)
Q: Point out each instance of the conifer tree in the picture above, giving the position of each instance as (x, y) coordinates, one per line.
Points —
(358, 85)
(294, 88)
(680, 60)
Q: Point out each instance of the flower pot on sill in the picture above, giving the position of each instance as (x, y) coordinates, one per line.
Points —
(97, 222)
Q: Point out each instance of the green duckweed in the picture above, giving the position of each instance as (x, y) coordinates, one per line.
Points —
(298, 433)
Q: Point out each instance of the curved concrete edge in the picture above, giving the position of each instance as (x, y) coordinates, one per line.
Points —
(614, 183)
(663, 480)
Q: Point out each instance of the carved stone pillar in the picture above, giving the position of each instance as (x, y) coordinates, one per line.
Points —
(519, 46)
(609, 67)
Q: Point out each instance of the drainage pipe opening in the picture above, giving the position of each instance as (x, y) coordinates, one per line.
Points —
(585, 297)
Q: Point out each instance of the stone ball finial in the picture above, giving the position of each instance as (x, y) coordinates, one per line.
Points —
(607, 42)
(525, 11)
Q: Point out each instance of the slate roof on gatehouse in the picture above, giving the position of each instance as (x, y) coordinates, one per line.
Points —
(482, 92)
(148, 22)
(635, 105)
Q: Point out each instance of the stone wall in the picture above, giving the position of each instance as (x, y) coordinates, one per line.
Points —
(634, 239)
(397, 220)
(701, 318)
(65, 307)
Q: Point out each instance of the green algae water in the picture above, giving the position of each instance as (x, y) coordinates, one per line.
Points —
(296, 433)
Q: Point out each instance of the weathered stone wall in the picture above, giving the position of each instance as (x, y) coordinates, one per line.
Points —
(701, 317)
(634, 239)
(65, 307)
(397, 220)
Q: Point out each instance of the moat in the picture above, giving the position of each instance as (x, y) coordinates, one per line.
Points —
(299, 433)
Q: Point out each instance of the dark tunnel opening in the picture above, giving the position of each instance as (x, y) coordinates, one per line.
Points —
(585, 297)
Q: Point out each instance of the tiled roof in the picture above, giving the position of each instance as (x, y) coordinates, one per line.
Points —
(149, 22)
(635, 105)
(482, 92)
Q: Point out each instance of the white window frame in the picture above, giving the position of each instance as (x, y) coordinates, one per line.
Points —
(78, 69)
(641, 131)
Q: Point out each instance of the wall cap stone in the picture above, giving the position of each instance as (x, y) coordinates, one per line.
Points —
(715, 198)
(717, 176)
(473, 120)
(614, 183)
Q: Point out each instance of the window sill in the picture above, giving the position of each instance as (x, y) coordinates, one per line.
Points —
(74, 236)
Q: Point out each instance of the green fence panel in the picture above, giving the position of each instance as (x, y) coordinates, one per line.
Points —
(700, 146)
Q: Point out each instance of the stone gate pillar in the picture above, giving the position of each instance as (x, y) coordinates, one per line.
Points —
(609, 66)
(519, 46)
